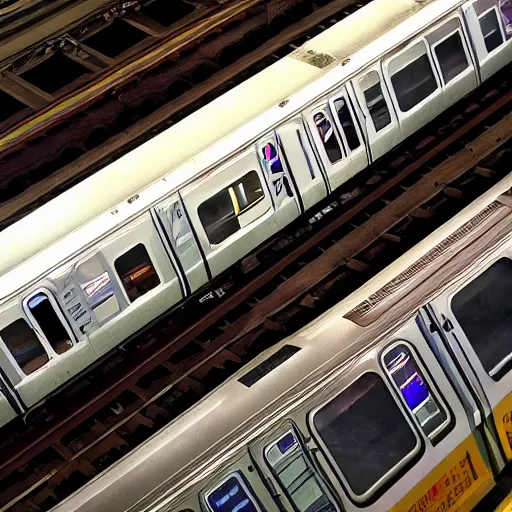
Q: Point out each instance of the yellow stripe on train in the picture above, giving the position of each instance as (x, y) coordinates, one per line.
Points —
(458, 483)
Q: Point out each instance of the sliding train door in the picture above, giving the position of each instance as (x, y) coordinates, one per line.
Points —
(475, 317)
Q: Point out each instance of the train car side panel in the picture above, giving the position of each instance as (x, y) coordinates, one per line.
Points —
(491, 40)
(232, 210)
(458, 483)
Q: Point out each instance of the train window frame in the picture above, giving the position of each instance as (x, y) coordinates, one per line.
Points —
(401, 62)
(372, 494)
(12, 357)
(271, 441)
(121, 277)
(88, 297)
(60, 315)
(325, 111)
(435, 46)
(345, 138)
(234, 203)
(499, 24)
(444, 428)
(368, 77)
(239, 476)
(504, 367)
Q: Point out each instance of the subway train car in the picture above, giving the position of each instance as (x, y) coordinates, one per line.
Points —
(397, 399)
(101, 261)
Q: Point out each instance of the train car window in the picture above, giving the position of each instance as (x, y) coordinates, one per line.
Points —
(375, 101)
(137, 272)
(416, 392)
(97, 287)
(414, 82)
(296, 475)
(484, 311)
(366, 434)
(451, 56)
(490, 26)
(24, 346)
(328, 137)
(347, 122)
(219, 214)
(44, 314)
(232, 495)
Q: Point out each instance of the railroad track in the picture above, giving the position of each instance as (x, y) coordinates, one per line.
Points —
(357, 232)
(86, 128)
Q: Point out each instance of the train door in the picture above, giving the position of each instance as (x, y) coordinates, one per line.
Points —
(475, 315)
(451, 54)
(10, 404)
(489, 23)
(42, 348)
(181, 242)
(303, 163)
(337, 137)
(380, 119)
(388, 433)
(232, 209)
(140, 284)
(281, 182)
(414, 86)
(10, 407)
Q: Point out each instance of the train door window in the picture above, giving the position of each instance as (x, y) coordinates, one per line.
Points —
(451, 56)
(219, 214)
(490, 26)
(484, 311)
(232, 495)
(357, 429)
(44, 313)
(97, 287)
(375, 100)
(346, 122)
(414, 81)
(328, 137)
(275, 170)
(416, 391)
(137, 272)
(296, 475)
(24, 346)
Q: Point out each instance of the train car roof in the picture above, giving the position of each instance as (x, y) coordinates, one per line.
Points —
(165, 463)
(38, 242)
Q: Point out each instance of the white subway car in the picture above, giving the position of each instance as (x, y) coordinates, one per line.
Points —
(102, 260)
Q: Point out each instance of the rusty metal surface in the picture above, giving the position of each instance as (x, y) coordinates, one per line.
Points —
(388, 210)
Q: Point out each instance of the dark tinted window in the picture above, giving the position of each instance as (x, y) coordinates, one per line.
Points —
(377, 106)
(451, 56)
(484, 311)
(365, 432)
(347, 123)
(137, 272)
(491, 30)
(328, 137)
(411, 383)
(24, 345)
(219, 213)
(296, 475)
(414, 83)
(232, 495)
(51, 325)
